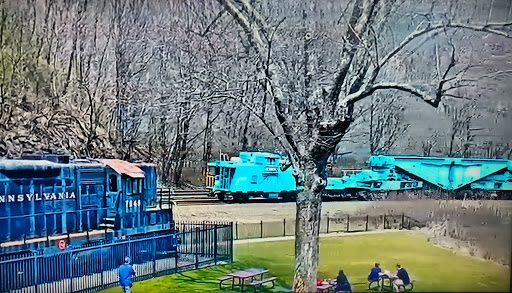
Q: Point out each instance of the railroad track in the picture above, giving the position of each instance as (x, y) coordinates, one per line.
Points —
(186, 197)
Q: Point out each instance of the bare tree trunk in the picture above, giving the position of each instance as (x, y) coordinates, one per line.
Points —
(309, 209)
(207, 142)
(245, 141)
(452, 138)
(372, 143)
(307, 231)
(182, 150)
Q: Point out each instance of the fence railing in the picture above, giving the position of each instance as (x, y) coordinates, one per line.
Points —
(346, 223)
(90, 268)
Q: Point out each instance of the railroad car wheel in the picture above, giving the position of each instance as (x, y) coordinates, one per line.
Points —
(289, 195)
(240, 197)
(221, 196)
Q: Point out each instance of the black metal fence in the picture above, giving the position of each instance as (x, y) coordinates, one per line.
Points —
(346, 223)
(94, 266)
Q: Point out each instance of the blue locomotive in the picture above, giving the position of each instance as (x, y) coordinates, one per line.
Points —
(49, 195)
(257, 174)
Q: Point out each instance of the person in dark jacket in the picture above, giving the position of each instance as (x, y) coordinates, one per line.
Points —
(125, 275)
(403, 278)
(374, 273)
(342, 284)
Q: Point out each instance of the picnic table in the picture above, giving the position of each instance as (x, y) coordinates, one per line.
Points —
(245, 275)
(326, 286)
(387, 275)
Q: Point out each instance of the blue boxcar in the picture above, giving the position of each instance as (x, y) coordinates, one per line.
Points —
(50, 195)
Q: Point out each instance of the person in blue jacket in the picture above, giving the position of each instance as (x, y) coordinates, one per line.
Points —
(374, 273)
(342, 284)
(403, 278)
(125, 275)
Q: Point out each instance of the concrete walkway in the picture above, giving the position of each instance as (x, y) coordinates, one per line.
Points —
(335, 234)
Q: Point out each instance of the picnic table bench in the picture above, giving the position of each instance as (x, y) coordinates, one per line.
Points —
(259, 283)
(405, 286)
(370, 282)
(224, 278)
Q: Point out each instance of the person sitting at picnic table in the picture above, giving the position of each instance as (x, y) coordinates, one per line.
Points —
(342, 284)
(402, 278)
(374, 273)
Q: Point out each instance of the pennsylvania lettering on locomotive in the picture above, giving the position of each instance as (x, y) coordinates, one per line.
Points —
(36, 197)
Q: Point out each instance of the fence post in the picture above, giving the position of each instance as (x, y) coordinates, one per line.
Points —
(261, 229)
(384, 222)
(176, 255)
(328, 220)
(101, 270)
(215, 244)
(236, 226)
(36, 280)
(196, 248)
(348, 223)
(402, 226)
(366, 227)
(203, 239)
(71, 272)
(129, 247)
(284, 227)
(231, 243)
(154, 256)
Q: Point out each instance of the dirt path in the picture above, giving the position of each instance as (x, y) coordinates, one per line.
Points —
(255, 212)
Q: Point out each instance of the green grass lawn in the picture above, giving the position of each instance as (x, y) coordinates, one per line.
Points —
(433, 268)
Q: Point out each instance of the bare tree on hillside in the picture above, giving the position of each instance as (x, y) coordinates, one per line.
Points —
(428, 144)
(460, 129)
(133, 54)
(386, 124)
(311, 125)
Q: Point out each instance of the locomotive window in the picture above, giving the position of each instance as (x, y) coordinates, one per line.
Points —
(112, 183)
(211, 171)
(129, 186)
(137, 185)
(254, 179)
(83, 189)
